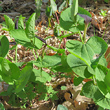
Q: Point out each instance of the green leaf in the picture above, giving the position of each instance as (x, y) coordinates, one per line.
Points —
(20, 22)
(8, 92)
(4, 46)
(22, 94)
(106, 1)
(64, 67)
(79, 66)
(100, 108)
(2, 106)
(102, 87)
(63, 87)
(68, 24)
(37, 75)
(23, 78)
(91, 91)
(53, 6)
(100, 72)
(38, 7)
(49, 61)
(10, 72)
(30, 26)
(20, 37)
(103, 61)
(62, 6)
(9, 22)
(91, 52)
(107, 79)
(78, 81)
(104, 103)
(74, 10)
(48, 11)
(61, 107)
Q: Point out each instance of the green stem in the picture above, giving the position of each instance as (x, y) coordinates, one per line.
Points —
(37, 55)
(43, 51)
(81, 37)
(94, 80)
(10, 57)
(85, 31)
(34, 54)
(49, 21)
(16, 54)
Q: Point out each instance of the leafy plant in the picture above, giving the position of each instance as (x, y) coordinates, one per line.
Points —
(85, 59)
(22, 82)
(103, 13)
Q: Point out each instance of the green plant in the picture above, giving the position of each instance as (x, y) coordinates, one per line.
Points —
(22, 82)
(86, 60)
(1, 106)
(106, 1)
(103, 13)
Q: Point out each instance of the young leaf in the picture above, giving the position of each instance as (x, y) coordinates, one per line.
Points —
(74, 10)
(62, 6)
(4, 46)
(48, 11)
(30, 26)
(9, 22)
(23, 78)
(20, 22)
(38, 7)
(53, 6)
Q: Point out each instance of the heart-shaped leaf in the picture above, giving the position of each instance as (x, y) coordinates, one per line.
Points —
(68, 24)
(91, 52)
(79, 66)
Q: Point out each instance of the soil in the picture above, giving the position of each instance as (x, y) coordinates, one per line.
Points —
(100, 26)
